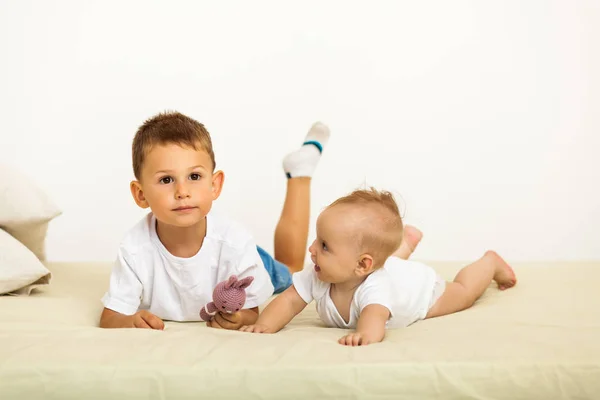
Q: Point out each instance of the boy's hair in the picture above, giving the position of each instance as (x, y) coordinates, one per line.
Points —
(383, 236)
(169, 128)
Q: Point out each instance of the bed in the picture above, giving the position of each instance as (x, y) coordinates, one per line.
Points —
(540, 340)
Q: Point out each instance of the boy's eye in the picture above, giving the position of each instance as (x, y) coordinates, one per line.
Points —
(324, 246)
(166, 180)
(195, 177)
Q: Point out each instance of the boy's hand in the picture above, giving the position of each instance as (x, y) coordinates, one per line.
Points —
(226, 321)
(257, 328)
(146, 320)
(355, 339)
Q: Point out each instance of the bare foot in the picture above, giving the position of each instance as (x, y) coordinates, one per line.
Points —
(410, 239)
(505, 276)
(412, 236)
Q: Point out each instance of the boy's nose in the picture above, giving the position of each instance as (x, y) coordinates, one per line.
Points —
(181, 192)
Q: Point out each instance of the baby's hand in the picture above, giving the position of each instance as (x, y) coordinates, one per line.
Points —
(257, 328)
(355, 339)
(145, 319)
(226, 321)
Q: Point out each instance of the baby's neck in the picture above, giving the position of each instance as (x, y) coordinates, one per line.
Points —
(348, 286)
(182, 242)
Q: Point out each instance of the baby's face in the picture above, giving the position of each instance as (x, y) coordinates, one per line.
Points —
(335, 251)
(178, 184)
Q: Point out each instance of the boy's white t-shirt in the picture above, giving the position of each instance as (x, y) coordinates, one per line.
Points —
(404, 287)
(147, 277)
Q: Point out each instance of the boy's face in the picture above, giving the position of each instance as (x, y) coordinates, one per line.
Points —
(178, 184)
(335, 252)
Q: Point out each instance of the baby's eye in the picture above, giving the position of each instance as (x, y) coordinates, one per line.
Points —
(166, 180)
(324, 246)
(195, 177)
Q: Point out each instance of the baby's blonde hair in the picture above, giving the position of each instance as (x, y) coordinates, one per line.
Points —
(384, 235)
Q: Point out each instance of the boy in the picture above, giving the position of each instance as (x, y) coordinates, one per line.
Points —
(170, 262)
(356, 284)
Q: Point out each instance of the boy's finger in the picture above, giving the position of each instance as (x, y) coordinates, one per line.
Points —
(355, 340)
(214, 323)
(140, 323)
(224, 322)
(153, 321)
(231, 318)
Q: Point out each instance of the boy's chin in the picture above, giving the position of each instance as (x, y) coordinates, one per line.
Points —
(182, 222)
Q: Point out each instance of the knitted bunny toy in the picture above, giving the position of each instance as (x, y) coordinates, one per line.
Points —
(228, 297)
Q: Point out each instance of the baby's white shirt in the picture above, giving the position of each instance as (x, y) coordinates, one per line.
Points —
(404, 287)
(147, 277)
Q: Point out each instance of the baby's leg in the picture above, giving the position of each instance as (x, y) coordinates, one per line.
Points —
(470, 283)
(291, 234)
(410, 239)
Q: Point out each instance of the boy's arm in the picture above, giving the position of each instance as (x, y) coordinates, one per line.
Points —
(278, 313)
(123, 298)
(141, 319)
(370, 327)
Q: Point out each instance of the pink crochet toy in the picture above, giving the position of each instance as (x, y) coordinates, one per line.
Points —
(228, 297)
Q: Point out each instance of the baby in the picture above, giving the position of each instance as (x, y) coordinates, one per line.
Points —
(360, 282)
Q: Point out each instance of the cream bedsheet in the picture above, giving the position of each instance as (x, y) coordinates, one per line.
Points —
(540, 340)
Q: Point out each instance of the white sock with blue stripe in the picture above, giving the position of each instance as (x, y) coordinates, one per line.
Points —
(302, 162)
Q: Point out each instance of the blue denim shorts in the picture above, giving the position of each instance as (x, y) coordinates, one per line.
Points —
(281, 278)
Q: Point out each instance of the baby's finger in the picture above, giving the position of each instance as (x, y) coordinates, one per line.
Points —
(348, 340)
(356, 340)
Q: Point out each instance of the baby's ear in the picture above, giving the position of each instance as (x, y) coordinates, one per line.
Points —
(244, 283)
(365, 265)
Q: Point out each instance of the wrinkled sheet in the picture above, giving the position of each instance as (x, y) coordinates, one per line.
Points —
(539, 340)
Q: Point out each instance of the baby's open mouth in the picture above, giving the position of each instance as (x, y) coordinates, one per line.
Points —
(317, 268)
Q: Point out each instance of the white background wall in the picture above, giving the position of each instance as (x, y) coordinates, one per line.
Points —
(484, 116)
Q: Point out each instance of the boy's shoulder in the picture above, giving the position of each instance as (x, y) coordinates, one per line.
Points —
(228, 231)
(138, 236)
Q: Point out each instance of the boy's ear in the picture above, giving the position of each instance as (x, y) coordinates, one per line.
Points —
(138, 194)
(365, 265)
(217, 183)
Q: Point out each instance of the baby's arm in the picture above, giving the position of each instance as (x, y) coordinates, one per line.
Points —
(278, 313)
(141, 319)
(370, 327)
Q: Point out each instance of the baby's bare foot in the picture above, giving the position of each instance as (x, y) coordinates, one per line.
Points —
(410, 239)
(412, 236)
(505, 276)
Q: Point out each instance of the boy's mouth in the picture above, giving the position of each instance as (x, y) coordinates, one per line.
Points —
(184, 208)
(317, 268)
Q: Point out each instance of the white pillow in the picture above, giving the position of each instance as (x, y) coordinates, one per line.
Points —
(20, 269)
(25, 210)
